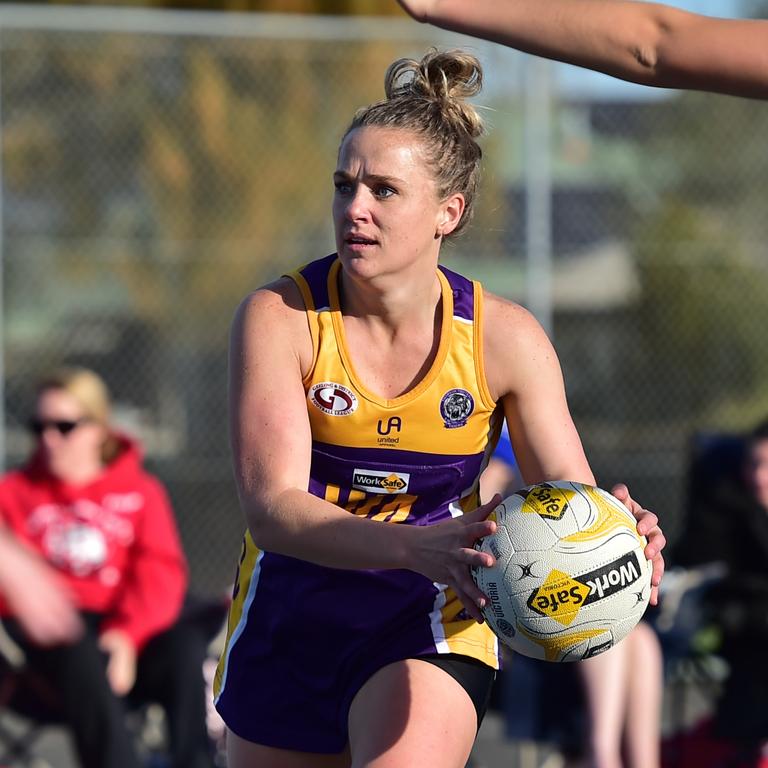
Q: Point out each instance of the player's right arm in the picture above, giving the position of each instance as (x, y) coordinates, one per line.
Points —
(270, 350)
(648, 43)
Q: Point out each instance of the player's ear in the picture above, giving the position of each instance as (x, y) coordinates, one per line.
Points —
(451, 211)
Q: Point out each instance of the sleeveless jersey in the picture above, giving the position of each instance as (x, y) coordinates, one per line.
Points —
(410, 460)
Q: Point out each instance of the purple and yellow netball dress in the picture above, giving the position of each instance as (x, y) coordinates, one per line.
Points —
(302, 638)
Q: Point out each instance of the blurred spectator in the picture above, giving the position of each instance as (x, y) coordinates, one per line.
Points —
(94, 588)
(729, 525)
(621, 688)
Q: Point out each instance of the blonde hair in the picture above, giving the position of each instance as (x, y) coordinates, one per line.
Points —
(428, 97)
(92, 395)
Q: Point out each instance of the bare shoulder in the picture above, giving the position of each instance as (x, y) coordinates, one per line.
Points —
(508, 325)
(272, 317)
(514, 343)
(280, 298)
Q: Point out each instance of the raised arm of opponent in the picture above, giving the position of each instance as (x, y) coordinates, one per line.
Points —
(647, 43)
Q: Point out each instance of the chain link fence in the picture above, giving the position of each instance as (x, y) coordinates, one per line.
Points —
(156, 166)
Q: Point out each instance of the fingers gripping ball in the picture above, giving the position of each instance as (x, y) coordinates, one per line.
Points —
(570, 578)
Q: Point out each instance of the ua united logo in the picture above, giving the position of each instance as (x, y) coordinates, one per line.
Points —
(393, 423)
(333, 399)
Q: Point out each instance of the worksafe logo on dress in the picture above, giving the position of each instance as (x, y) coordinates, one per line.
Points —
(333, 399)
(375, 481)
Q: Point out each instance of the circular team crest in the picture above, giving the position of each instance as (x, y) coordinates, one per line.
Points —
(456, 407)
(333, 399)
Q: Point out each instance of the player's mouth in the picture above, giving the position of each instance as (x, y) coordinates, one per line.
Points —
(359, 243)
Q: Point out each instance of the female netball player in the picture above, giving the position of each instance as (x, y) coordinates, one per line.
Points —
(367, 392)
(646, 43)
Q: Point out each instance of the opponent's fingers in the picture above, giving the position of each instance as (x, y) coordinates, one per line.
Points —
(416, 8)
(69, 626)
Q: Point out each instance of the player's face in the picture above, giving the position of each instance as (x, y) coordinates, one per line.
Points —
(67, 438)
(386, 210)
(757, 472)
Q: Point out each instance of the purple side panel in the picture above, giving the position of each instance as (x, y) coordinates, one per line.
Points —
(463, 294)
(316, 275)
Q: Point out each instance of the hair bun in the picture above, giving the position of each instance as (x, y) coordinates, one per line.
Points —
(447, 78)
(428, 98)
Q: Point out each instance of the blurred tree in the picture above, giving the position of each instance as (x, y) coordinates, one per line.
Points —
(702, 316)
(712, 146)
(192, 167)
(239, 167)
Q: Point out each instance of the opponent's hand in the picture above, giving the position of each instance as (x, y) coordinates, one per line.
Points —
(648, 526)
(38, 599)
(417, 8)
(121, 665)
(446, 553)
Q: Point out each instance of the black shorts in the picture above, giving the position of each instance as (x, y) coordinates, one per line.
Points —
(472, 675)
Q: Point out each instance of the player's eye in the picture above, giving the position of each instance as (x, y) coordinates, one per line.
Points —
(382, 191)
(342, 187)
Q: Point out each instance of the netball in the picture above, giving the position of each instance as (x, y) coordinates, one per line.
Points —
(570, 578)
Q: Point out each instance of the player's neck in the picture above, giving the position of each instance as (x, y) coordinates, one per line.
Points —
(392, 304)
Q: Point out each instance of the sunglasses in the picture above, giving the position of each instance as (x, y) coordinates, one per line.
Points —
(63, 426)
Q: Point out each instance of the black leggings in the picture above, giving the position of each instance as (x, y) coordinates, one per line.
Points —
(472, 675)
(169, 672)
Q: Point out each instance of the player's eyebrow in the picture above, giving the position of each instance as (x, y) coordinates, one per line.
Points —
(370, 178)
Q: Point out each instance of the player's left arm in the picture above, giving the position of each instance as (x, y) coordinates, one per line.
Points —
(648, 43)
(524, 373)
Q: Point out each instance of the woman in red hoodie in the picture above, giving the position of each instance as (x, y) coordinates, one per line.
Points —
(84, 505)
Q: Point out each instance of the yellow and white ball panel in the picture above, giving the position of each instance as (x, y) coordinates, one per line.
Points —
(570, 578)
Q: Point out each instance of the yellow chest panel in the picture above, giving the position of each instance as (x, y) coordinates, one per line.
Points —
(448, 412)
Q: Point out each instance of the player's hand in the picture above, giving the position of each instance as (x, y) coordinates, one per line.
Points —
(446, 552)
(648, 526)
(121, 665)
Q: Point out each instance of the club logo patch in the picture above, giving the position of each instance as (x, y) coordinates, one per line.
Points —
(456, 407)
(333, 399)
(377, 482)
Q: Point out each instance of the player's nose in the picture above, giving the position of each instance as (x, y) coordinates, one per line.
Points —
(357, 207)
